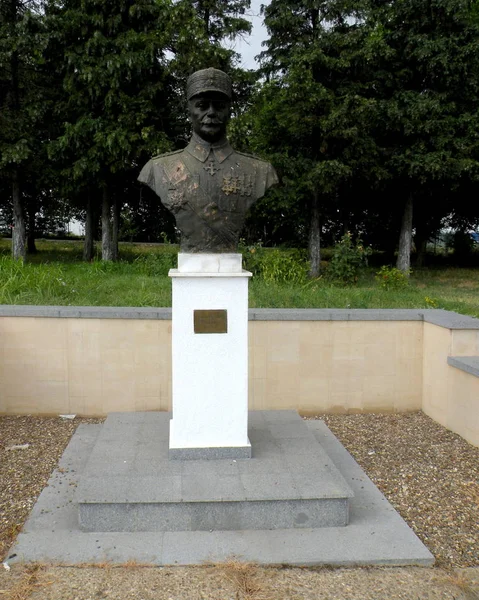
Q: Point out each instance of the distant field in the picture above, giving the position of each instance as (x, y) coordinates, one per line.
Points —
(56, 275)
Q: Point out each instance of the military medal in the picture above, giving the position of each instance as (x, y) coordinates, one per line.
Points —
(211, 168)
(175, 198)
(241, 185)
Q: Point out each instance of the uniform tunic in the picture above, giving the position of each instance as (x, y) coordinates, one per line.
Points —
(209, 188)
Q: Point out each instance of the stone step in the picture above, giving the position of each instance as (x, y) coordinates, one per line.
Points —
(129, 483)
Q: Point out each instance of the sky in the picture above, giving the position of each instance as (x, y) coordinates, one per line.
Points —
(251, 45)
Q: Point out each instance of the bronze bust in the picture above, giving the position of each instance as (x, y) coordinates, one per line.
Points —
(208, 186)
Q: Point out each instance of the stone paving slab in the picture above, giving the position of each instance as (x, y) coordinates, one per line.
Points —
(130, 458)
(376, 534)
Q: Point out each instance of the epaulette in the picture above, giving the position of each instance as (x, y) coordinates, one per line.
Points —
(251, 156)
(166, 154)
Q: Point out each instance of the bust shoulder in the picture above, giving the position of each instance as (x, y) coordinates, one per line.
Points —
(268, 175)
(166, 155)
(159, 170)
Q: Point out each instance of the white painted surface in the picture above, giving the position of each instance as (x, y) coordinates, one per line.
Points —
(210, 370)
(209, 263)
(177, 273)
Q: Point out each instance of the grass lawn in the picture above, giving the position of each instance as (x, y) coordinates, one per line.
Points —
(56, 275)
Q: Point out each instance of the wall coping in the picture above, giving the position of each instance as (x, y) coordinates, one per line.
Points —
(469, 364)
(442, 318)
(85, 312)
(450, 320)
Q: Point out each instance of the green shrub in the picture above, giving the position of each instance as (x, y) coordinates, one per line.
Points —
(275, 265)
(390, 278)
(462, 244)
(347, 260)
(251, 257)
(284, 266)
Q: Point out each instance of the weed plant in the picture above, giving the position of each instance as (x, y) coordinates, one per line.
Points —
(274, 265)
(31, 284)
(391, 278)
(347, 260)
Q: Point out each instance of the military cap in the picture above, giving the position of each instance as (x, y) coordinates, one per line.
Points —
(208, 80)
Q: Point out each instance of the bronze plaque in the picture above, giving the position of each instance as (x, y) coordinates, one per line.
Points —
(210, 321)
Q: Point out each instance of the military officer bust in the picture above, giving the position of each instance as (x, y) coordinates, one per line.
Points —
(208, 186)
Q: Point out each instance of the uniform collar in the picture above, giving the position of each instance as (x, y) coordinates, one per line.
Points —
(201, 149)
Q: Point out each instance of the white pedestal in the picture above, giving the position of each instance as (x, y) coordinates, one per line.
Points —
(210, 369)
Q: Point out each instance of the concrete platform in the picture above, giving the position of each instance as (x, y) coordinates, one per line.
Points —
(376, 534)
(129, 483)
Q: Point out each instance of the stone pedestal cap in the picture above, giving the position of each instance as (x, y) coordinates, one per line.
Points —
(208, 80)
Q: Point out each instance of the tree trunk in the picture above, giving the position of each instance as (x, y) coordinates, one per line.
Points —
(420, 241)
(106, 234)
(88, 243)
(405, 238)
(116, 225)
(421, 246)
(19, 249)
(314, 238)
(19, 227)
(32, 249)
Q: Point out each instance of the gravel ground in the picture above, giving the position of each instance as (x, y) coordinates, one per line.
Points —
(429, 474)
(24, 471)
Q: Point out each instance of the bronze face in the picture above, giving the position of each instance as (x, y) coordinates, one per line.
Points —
(209, 114)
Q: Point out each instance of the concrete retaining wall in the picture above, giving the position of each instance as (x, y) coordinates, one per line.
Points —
(93, 361)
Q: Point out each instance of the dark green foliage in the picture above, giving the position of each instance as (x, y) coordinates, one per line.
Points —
(361, 105)
(26, 96)
(222, 19)
(115, 83)
(314, 116)
(21, 90)
(123, 67)
(368, 104)
(463, 247)
(427, 89)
